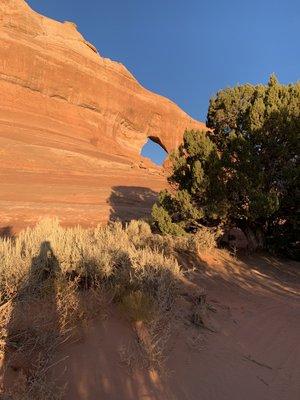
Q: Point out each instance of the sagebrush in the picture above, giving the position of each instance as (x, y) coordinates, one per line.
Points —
(53, 278)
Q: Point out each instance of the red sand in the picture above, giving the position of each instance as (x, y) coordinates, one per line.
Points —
(250, 352)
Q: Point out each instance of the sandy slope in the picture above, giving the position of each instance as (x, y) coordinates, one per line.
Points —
(250, 351)
(255, 352)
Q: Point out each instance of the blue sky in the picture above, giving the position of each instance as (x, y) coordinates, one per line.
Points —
(188, 50)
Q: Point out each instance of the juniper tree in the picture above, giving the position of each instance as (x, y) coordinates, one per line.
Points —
(245, 171)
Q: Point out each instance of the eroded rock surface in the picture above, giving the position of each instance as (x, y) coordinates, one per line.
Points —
(72, 125)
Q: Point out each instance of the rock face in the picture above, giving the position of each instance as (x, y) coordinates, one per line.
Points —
(72, 125)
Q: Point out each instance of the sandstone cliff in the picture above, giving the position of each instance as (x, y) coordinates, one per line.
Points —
(72, 123)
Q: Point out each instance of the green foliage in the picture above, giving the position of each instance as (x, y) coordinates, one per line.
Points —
(195, 180)
(164, 222)
(245, 171)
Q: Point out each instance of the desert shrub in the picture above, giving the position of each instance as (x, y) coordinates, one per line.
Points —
(137, 306)
(68, 275)
(204, 239)
(138, 229)
(163, 222)
(110, 256)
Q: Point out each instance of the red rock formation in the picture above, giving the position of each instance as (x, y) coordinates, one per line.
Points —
(72, 124)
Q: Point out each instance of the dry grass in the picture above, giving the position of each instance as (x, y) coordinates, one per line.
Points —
(110, 255)
(52, 279)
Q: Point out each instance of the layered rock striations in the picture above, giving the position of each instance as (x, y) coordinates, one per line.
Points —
(72, 125)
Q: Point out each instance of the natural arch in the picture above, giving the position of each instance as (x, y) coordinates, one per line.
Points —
(154, 150)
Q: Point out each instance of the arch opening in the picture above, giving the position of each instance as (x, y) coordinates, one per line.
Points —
(154, 150)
